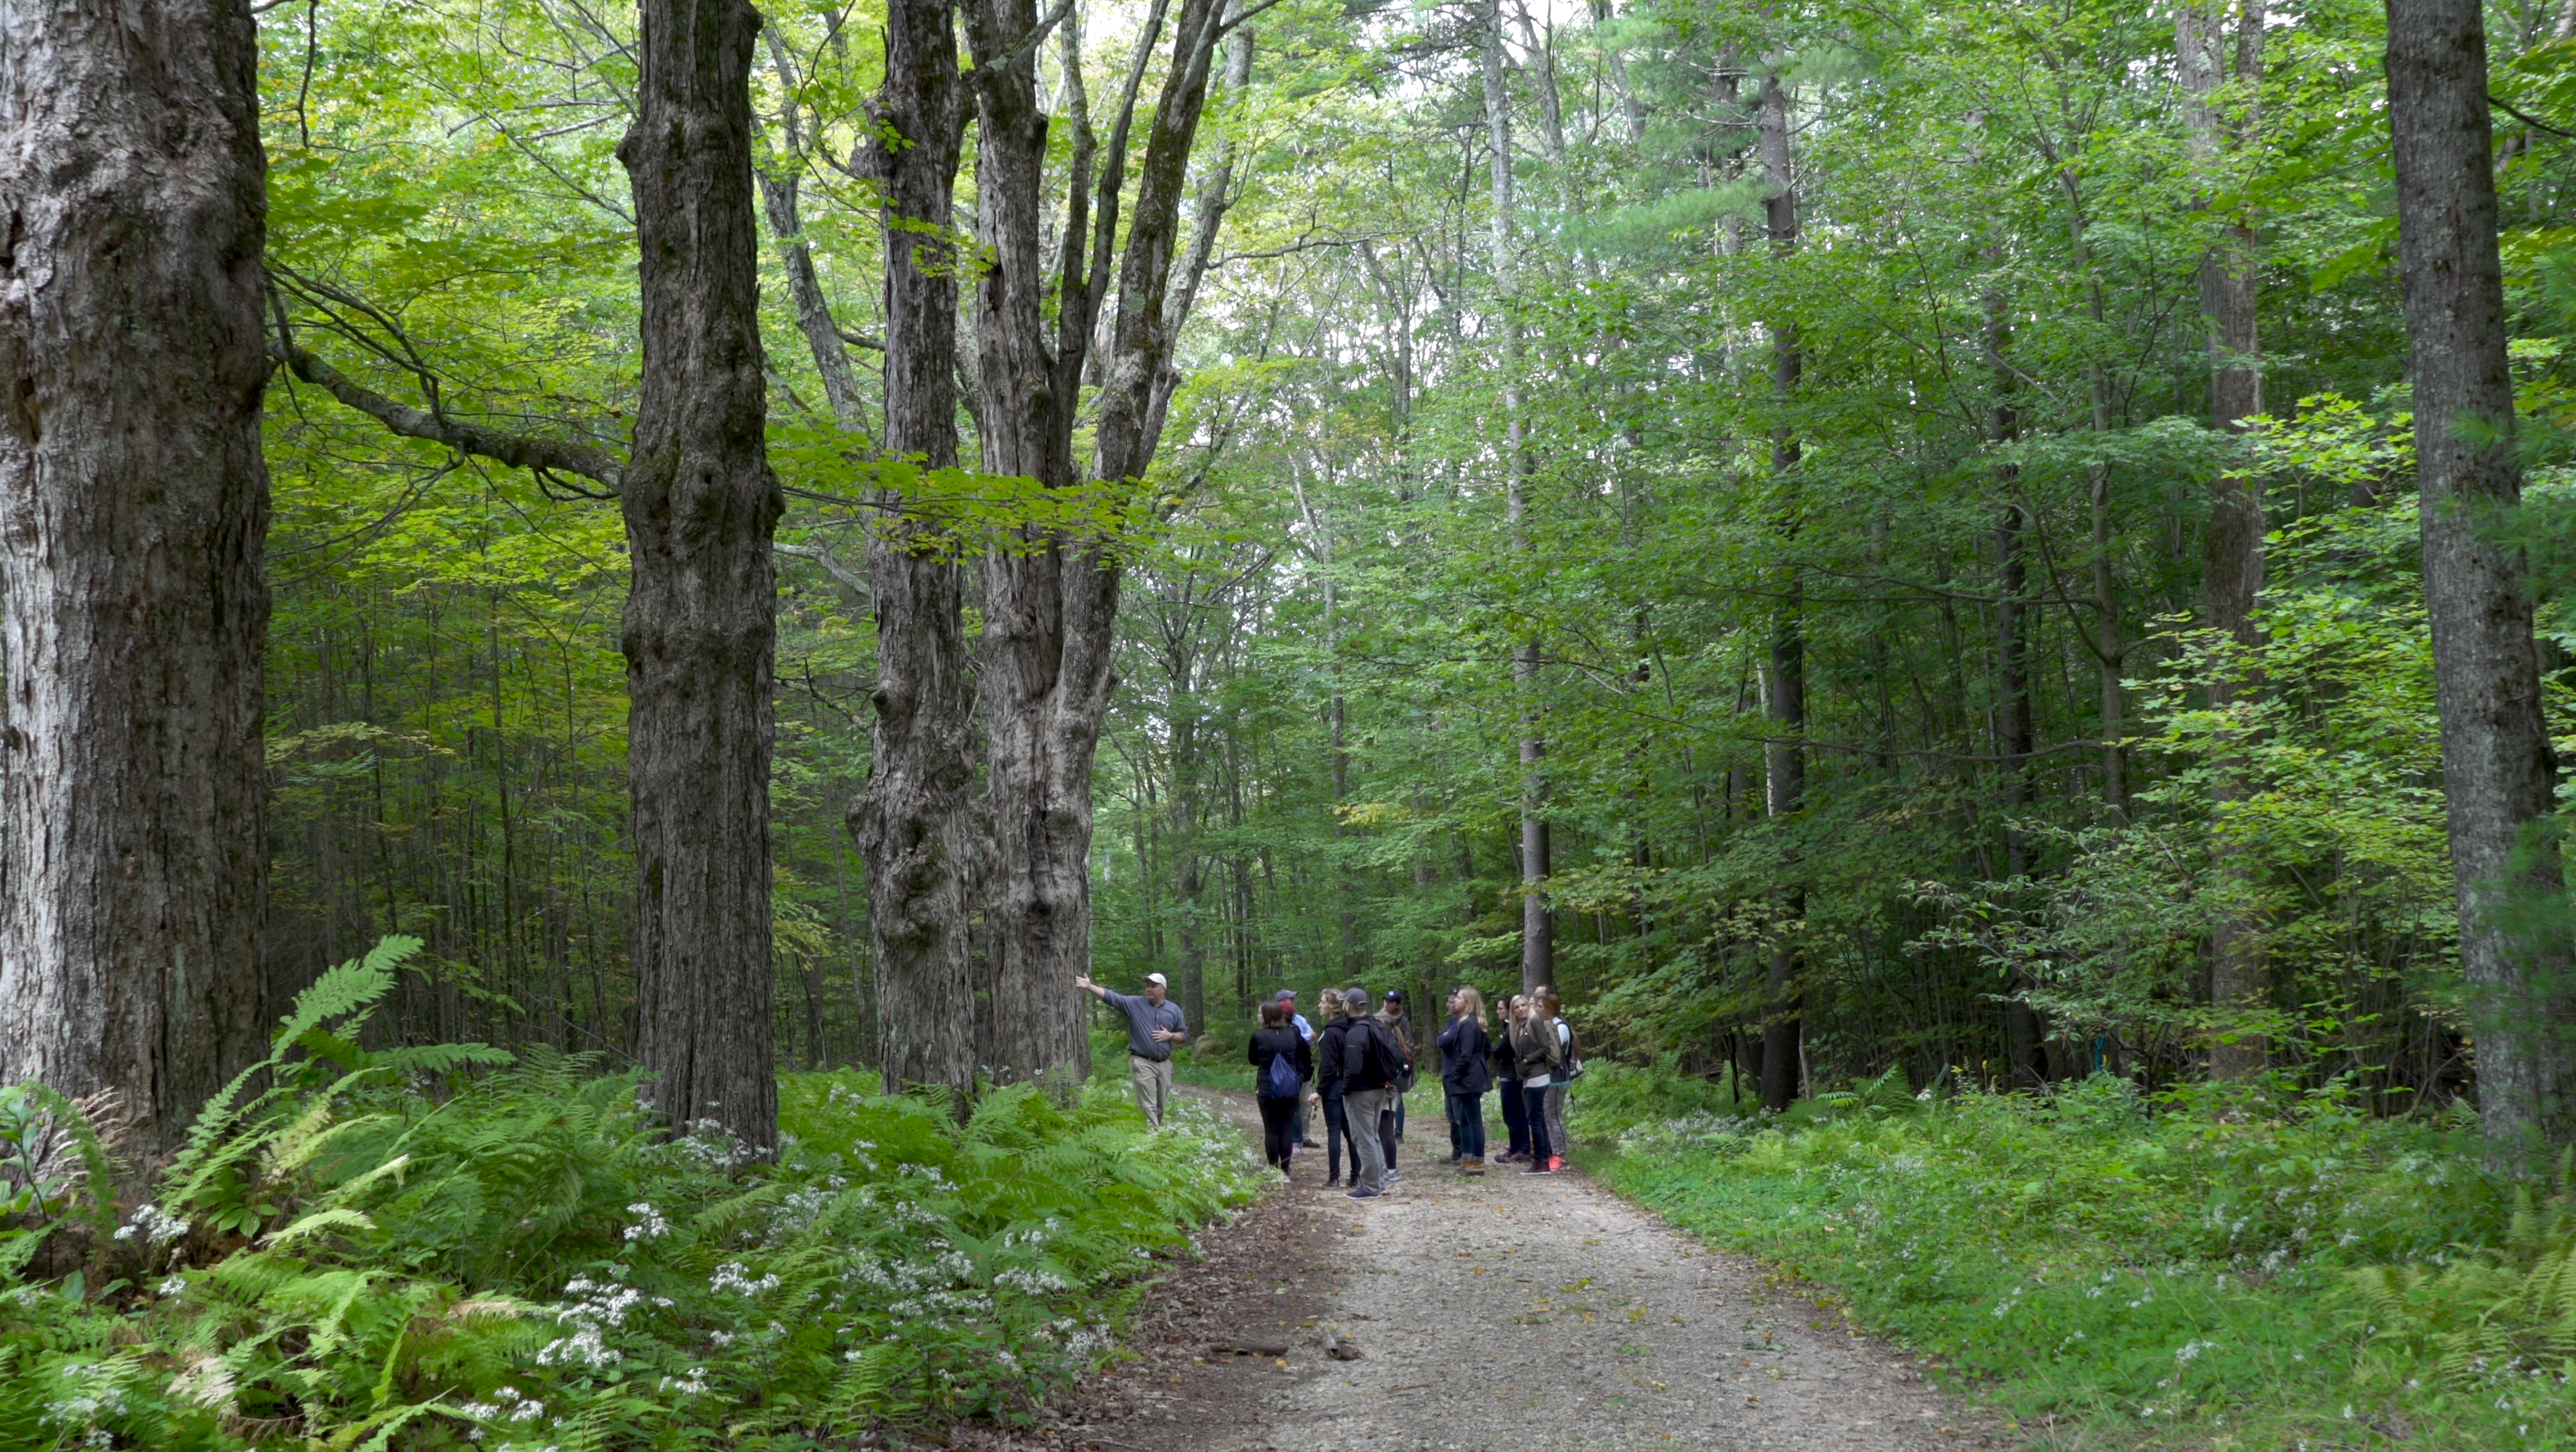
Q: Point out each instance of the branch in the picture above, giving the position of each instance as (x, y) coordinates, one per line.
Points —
(2526, 118)
(847, 578)
(544, 455)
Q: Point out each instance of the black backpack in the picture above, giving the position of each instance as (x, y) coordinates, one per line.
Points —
(1381, 1064)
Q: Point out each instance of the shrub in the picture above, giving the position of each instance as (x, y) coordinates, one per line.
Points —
(424, 1248)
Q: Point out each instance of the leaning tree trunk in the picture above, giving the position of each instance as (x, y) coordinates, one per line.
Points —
(133, 514)
(1784, 758)
(700, 503)
(914, 821)
(2497, 768)
(2498, 772)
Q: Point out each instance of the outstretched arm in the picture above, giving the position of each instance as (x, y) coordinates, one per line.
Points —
(1083, 982)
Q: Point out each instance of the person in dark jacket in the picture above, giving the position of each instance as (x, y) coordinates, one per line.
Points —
(1328, 1089)
(1372, 1069)
(1390, 1118)
(1279, 1057)
(1465, 1074)
(1506, 1074)
(1536, 1051)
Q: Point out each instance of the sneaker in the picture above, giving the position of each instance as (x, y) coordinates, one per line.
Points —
(1364, 1194)
(1555, 1163)
(1334, 1183)
(1538, 1167)
(1390, 1177)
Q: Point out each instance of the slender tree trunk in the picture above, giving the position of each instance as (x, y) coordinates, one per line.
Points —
(914, 821)
(700, 503)
(1784, 758)
(2023, 1033)
(2240, 973)
(2499, 775)
(133, 514)
(1538, 921)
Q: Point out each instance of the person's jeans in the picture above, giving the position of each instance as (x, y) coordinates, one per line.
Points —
(1364, 1106)
(1556, 1134)
(1467, 1124)
(1278, 1129)
(1515, 1115)
(1153, 1079)
(1337, 1129)
(1534, 1109)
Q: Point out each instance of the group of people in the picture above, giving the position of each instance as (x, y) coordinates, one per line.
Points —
(1361, 1064)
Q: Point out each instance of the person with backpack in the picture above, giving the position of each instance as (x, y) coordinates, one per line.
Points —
(1281, 1063)
(1465, 1074)
(1328, 1090)
(1566, 1069)
(1507, 1083)
(1287, 999)
(1535, 1055)
(1372, 1067)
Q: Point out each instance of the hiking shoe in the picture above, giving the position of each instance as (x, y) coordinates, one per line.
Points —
(1538, 1167)
(1364, 1194)
(1475, 1165)
(1334, 1183)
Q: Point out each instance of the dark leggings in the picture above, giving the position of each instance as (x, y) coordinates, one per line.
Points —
(1278, 1129)
(1515, 1116)
(1534, 1109)
(1467, 1124)
(1387, 1133)
(1337, 1128)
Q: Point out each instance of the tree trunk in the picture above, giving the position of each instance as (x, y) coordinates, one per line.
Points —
(699, 503)
(1784, 758)
(2240, 973)
(914, 821)
(2499, 775)
(2024, 1037)
(133, 515)
(1538, 923)
(1050, 609)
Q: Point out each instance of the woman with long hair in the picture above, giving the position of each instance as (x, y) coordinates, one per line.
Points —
(1551, 1011)
(1328, 1090)
(1281, 1064)
(1535, 1055)
(1465, 1075)
(1506, 1079)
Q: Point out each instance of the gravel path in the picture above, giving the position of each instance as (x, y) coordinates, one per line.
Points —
(1540, 1313)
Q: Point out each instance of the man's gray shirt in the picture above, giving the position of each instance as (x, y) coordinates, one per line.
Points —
(1143, 1017)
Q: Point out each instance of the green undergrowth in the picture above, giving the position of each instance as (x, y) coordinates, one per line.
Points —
(404, 1250)
(2213, 1269)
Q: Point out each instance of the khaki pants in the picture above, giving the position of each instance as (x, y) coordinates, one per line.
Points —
(1153, 1078)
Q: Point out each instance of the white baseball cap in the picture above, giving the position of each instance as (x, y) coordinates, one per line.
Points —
(1158, 978)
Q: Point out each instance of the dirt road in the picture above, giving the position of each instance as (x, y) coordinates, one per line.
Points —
(1521, 1313)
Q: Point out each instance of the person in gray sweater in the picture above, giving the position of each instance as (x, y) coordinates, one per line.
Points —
(1154, 1024)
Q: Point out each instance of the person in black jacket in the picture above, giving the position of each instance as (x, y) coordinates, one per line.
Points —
(1328, 1089)
(1372, 1068)
(1506, 1078)
(1279, 1058)
(1466, 1072)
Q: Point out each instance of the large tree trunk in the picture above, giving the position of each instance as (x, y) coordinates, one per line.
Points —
(133, 513)
(2023, 1034)
(2498, 772)
(1050, 608)
(700, 503)
(2240, 972)
(1784, 758)
(915, 821)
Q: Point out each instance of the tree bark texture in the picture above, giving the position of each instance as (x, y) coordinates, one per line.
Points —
(699, 504)
(2232, 576)
(133, 515)
(2024, 1036)
(2498, 772)
(915, 821)
(1051, 604)
(1784, 758)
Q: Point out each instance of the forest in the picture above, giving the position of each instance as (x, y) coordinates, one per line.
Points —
(605, 607)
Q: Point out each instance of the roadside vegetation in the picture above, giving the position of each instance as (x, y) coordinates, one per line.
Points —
(456, 1246)
(2216, 1266)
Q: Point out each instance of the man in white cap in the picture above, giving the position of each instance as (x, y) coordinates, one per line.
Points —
(1153, 1026)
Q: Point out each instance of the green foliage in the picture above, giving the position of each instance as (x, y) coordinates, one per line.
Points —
(2208, 1268)
(416, 1248)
